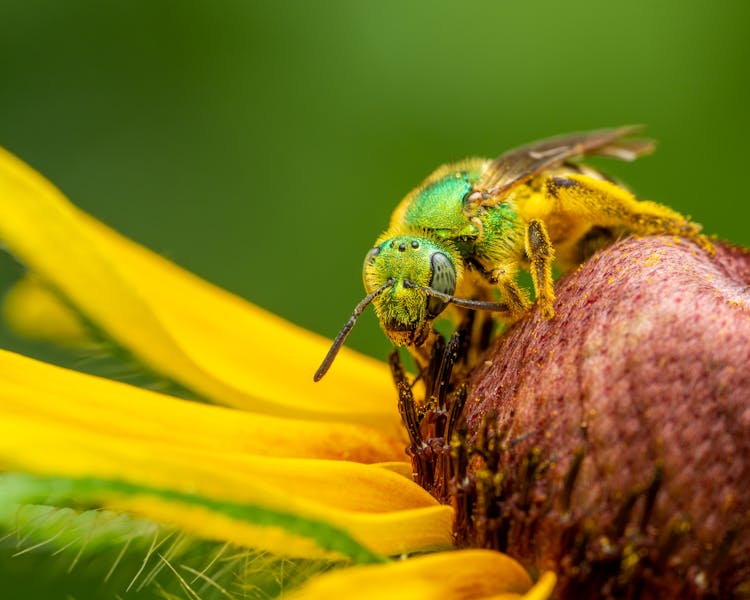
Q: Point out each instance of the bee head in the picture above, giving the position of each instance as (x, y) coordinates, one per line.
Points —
(405, 312)
(410, 280)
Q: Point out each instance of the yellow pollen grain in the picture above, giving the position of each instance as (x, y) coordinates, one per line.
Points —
(630, 559)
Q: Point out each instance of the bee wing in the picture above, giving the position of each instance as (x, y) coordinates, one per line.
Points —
(517, 166)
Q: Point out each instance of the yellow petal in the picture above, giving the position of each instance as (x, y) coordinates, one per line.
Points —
(380, 510)
(248, 525)
(460, 575)
(70, 399)
(43, 431)
(542, 590)
(402, 468)
(33, 311)
(191, 331)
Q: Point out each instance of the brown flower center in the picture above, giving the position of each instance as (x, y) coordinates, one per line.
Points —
(612, 443)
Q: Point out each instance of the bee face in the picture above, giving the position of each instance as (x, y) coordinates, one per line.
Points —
(405, 312)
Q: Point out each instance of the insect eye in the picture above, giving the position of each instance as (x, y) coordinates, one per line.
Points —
(443, 280)
(368, 261)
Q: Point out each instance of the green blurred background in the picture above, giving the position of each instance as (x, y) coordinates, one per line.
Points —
(263, 145)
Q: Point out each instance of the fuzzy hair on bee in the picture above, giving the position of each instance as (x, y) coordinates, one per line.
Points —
(461, 236)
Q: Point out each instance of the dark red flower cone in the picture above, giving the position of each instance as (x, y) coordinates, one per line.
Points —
(613, 442)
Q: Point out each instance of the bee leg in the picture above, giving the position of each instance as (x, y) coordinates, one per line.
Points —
(605, 204)
(540, 253)
(504, 277)
(516, 299)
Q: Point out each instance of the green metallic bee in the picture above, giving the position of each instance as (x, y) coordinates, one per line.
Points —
(468, 228)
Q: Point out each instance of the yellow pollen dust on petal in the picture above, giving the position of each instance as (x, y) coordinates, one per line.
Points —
(205, 338)
(459, 575)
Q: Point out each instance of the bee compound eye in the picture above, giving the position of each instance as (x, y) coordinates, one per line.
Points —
(443, 280)
(368, 261)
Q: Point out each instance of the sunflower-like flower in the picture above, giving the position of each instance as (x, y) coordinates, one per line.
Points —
(608, 446)
(268, 461)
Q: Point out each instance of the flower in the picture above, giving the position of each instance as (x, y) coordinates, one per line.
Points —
(314, 471)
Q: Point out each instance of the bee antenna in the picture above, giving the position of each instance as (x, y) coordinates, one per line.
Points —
(344, 333)
(462, 302)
